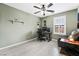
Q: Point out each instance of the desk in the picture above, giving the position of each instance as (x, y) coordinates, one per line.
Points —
(48, 35)
(44, 35)
(68, 47)
(70, 42)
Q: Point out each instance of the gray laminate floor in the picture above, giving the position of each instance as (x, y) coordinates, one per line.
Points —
(33, 48)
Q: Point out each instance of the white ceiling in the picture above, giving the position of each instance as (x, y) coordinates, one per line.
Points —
(57, 7)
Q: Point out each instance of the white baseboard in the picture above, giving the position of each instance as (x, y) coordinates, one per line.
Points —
(17, 44)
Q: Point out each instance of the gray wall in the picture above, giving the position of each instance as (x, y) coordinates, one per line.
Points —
(16, 32)
(71, 21)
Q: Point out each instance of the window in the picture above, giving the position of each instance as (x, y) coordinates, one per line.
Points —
(59, 25)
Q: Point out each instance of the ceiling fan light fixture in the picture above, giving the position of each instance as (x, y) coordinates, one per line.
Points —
(44, 8)
(43, 14)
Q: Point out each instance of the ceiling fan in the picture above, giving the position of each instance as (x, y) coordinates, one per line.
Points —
(44, 8)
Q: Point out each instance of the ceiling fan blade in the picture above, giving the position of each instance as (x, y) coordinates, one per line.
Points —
(50, 10)
(49, 5)
(37, 12)
(37, 7)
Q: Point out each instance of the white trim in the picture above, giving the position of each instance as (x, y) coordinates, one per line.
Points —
(59, 20)
(17, 44)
